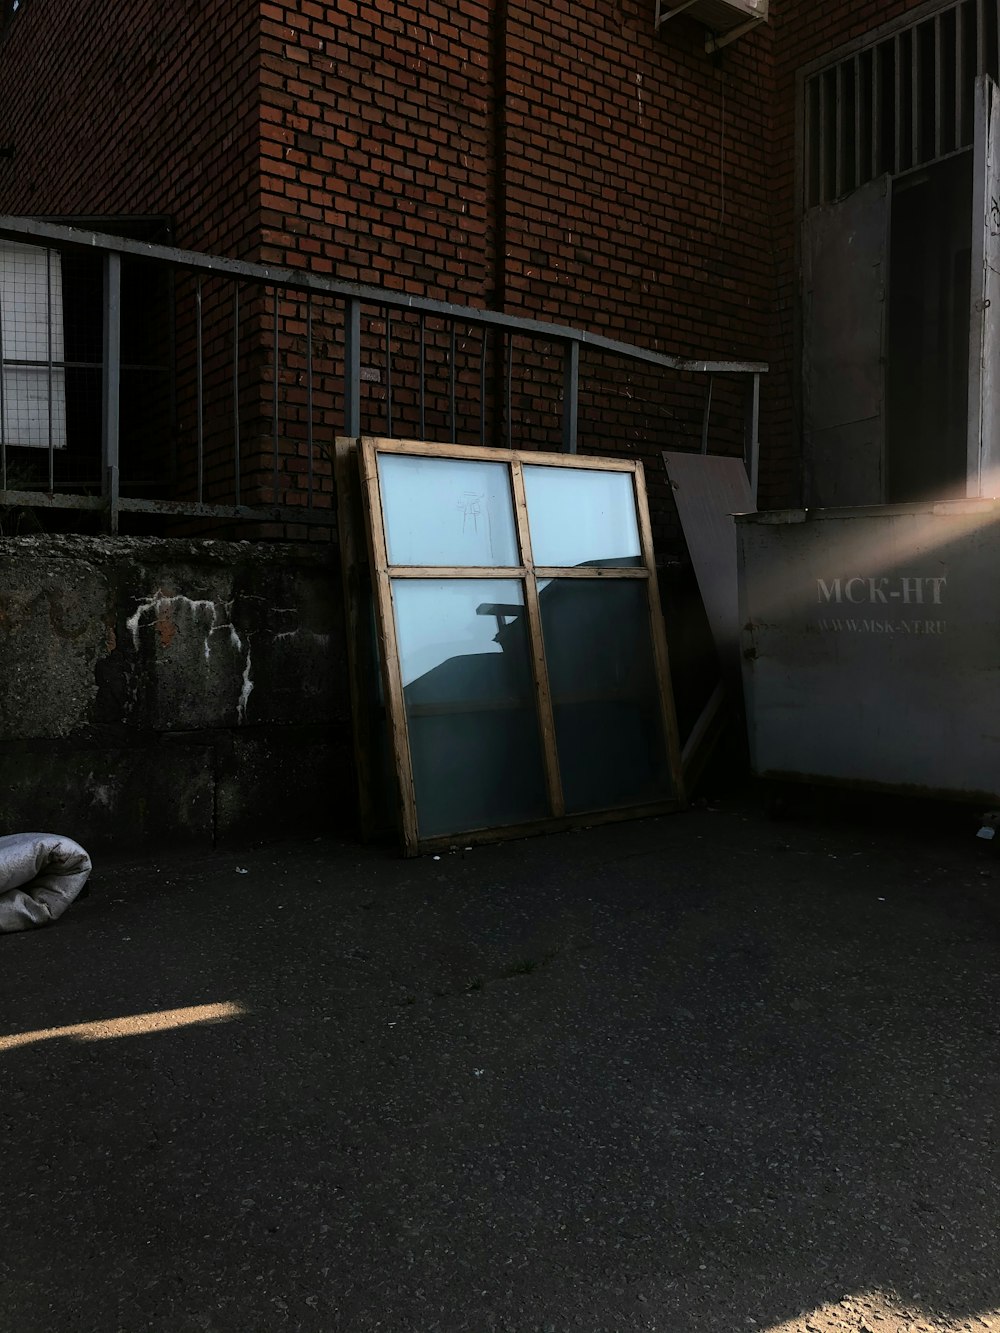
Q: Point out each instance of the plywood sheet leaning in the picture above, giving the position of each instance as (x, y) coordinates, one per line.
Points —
(708, 491)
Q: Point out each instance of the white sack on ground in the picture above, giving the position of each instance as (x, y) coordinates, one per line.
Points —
(40, 875)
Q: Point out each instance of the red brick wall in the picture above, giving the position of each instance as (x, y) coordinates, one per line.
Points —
(150, 108)
(560, 160)
(637, 206)
(617, 174)
(375, 142)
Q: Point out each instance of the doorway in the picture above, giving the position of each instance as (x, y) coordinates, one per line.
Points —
(927, 346)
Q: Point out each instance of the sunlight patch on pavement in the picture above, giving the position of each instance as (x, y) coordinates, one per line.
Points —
(134, 1025)
(879, 1312)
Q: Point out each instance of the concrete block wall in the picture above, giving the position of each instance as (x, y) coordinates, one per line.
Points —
(160, 691)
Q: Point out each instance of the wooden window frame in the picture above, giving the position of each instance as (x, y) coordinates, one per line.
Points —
(383, 572)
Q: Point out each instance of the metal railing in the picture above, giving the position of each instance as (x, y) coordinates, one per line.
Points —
(255, 369)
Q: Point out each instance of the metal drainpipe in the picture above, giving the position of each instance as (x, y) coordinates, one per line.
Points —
(498, 297)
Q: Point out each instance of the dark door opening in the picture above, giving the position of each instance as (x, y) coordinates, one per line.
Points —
(928, 332)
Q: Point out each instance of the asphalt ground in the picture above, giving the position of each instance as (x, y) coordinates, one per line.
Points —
(703, 1072)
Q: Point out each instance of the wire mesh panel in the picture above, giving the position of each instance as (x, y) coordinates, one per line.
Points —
(32, 349)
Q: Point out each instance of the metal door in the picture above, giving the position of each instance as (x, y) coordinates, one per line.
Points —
(844, 252)
(984, 316)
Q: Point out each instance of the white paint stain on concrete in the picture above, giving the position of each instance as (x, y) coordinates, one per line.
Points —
(210, 617)
(245, 691)
(309, 633)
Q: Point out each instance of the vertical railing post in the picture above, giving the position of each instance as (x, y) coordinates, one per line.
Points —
(453, 431)
(200, 353)
(309, 392)
(482, 384)
(508, 391)
(275, 391)
(50, 370)
(423, 414)
(571, 395)
(751, 439)
(707, 415)
(236, 390)
(352, 368)
(3, 424)
(388, 371)
(111, 384)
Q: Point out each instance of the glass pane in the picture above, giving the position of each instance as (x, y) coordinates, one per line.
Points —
(470, 703)
(609, 728)
(447, 511)
(581, 517)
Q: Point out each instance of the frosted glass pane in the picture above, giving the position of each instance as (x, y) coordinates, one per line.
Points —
(581, 517)
(447, 511)
(470, 703)
(605, 696)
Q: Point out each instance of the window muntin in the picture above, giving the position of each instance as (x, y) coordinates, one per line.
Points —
(500, 684)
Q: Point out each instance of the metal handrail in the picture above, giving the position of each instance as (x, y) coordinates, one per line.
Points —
(353, 295)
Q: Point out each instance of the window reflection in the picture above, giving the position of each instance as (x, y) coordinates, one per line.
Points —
(581, 517)
(470, 704)
(605, 696)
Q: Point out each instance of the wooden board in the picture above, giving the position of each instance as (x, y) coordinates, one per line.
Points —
(708, 490)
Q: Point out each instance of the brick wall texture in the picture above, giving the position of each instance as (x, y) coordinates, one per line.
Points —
(551, 159)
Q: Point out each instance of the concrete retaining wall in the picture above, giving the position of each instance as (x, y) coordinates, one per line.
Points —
(162, 690)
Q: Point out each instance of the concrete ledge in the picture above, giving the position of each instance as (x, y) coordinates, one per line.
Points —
(160, 689)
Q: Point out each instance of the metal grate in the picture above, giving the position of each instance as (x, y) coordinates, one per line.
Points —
(903, 101)
(32, 373)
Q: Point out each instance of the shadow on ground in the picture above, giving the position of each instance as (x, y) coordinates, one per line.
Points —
(705, 1072)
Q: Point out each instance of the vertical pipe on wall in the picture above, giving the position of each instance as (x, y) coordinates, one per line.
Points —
(499, 18)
